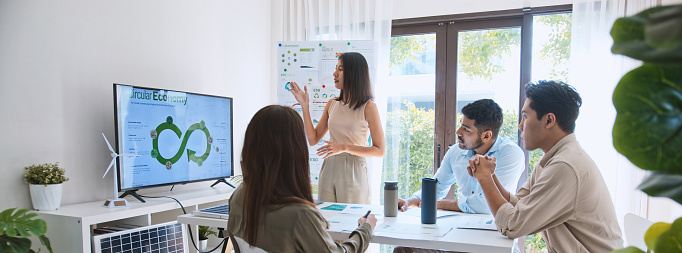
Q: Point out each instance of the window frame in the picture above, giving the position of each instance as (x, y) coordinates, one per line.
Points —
(446, 28)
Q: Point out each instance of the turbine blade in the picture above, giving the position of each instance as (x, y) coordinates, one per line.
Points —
(108, 145)
(113, 160)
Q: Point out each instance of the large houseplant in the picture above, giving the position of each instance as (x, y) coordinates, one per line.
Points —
(45, 184)
(17, 227)
(648, 101)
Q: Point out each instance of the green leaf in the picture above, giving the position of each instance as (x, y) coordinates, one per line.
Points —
(648, 127)
(630, 249)
(14, 244)
(652, 234)
(663, 185)
(666, 243)
(16, 227)
(664, 31)
(676, 231)
(652, 35)
(45, 241)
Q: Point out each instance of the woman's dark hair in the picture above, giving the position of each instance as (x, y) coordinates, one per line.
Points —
(487, 115)
(555, 97)
(274, 165)
(357, 89)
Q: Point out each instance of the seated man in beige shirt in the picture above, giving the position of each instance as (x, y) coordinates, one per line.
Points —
(565, 198)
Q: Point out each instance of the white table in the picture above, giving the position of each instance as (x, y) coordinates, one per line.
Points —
(464, 240)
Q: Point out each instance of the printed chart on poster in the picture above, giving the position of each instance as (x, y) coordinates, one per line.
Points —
(311, 64)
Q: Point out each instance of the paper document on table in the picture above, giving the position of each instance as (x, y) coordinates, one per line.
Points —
(417, 212)
(412, 229)
(343, 222)
(361, 210)
(486, 223)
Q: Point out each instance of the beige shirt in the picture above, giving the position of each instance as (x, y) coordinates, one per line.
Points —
(346, 125)
(567, 200)
(295, 228)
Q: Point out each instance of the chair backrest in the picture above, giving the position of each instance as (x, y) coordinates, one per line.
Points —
(244, 246)
(635, 227)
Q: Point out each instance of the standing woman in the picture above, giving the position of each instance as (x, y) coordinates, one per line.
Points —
(273, 208)
(351, 119)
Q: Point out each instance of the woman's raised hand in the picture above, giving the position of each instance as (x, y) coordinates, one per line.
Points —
(301, 95)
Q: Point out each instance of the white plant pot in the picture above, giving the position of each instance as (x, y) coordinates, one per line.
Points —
(202, 245)
(46, 197)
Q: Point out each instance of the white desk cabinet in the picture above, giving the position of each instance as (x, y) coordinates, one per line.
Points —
(70, 227)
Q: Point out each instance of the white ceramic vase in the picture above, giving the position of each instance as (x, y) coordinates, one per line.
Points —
(202, 245)
(46, 197)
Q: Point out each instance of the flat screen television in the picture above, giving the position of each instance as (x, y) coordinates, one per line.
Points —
(178, 137)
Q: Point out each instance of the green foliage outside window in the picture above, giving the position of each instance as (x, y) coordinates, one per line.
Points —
(478, 49)
(558, 49)
(411, 131)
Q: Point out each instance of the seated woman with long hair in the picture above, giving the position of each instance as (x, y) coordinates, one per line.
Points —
(273, 208)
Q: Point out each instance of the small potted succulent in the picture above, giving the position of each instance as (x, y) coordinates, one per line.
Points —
(204, 232)
(45, 184)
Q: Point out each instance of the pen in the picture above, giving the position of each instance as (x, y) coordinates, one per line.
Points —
(368, 211)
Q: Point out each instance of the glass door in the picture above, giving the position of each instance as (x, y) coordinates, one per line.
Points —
(412, 127)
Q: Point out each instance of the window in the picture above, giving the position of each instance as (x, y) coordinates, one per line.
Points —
(440, 64)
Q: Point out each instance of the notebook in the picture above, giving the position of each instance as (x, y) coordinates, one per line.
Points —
(219, 212)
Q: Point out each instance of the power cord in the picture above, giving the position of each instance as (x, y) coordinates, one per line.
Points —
(189, 229)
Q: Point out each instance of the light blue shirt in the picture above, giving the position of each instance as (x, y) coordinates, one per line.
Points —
(510, 163)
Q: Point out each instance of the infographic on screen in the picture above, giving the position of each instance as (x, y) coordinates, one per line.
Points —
(312, 64)
(178, 136)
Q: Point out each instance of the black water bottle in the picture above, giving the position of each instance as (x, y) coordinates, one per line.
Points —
(429, 186)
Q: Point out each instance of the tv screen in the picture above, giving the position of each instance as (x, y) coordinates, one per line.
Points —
(179, 137)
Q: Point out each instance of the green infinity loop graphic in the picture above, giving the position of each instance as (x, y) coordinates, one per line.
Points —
(191, 154)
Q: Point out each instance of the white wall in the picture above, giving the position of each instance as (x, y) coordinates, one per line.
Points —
(58, 60)
(424, 8)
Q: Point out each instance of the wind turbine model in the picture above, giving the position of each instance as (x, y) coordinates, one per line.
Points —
(116, 201)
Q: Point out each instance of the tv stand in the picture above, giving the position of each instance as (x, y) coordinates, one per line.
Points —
(70, 228)
(222, 180)
(134, 194)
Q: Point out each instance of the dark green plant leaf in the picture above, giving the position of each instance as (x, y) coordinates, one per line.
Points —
(651, 35)
(663, 185)
(14, 244)
(630, 249)
(46, 241)
(648, 127)
(16, 227)
(664, 29)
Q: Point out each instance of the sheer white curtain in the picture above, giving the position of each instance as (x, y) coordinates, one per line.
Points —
(595, 72)
(305, 20)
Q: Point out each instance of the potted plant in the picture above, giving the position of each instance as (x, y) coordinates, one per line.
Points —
(17, 227)
(648, 101)
(204, 232)
(45, 184)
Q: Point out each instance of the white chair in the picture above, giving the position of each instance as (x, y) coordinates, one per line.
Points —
(635, 227)
(244, 246)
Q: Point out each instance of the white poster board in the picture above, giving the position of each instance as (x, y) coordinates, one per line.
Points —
(311, 64)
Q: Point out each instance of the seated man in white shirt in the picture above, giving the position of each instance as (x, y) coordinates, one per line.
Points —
(478, 134)
(565, 197)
